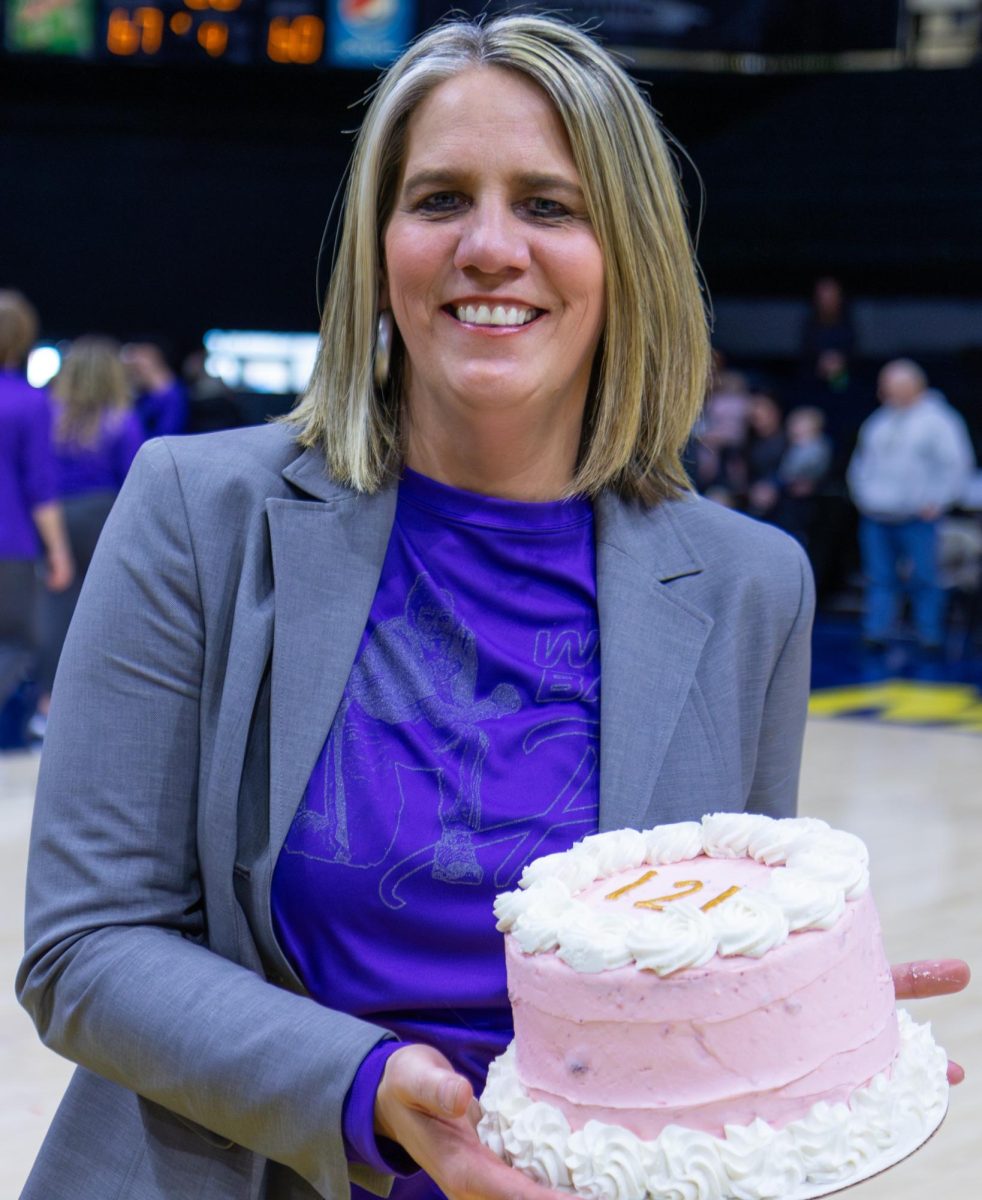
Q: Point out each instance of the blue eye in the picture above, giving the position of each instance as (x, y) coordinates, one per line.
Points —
(439, 202)
(540, 206)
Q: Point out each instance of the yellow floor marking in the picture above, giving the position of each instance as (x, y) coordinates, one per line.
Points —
(905, 702)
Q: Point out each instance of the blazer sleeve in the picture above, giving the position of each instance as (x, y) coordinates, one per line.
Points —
(117, 974)
(774, 790)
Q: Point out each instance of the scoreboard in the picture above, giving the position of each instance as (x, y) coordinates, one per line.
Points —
(299, 33)
(183, 30)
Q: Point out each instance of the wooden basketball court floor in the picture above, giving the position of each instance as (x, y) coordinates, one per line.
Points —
(914, 795)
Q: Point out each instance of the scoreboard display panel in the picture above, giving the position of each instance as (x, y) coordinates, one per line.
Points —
(296, 33)
(181, 30)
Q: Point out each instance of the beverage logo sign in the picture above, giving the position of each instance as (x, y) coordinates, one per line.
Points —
(369, 33)
(49, 27)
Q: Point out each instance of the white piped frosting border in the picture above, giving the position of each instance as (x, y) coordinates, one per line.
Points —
(831, 1146)
(819, 870)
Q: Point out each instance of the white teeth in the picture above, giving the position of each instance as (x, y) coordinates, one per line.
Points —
(483, 314)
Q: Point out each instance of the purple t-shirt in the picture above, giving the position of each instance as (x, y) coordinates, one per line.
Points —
(164, 412)
(101, 465)
(27, 466)
(465, 745)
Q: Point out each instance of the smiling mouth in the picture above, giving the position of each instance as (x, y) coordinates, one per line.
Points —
(499, 314)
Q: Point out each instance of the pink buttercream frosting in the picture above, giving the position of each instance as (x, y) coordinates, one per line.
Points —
(739, 1038)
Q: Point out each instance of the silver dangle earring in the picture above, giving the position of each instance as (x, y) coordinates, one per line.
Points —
(383, 348)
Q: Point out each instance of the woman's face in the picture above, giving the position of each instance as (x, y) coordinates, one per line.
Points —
(493, 271)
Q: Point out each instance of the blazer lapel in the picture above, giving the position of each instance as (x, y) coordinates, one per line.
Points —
(327, 557)
(650, 644)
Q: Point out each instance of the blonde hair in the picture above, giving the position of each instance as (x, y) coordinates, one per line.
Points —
(18, 328)
(90, 386)
(650, 375)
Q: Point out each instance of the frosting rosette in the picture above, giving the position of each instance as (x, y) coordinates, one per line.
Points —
(616, 850)
(591, 941)
(807, 903)
(771, 841)
(576, 868)
(750, 923)
(832, 1143)
(607, 1162)
(727, 835)
(673, 843)
(665, 942)
(534, 1142)
(830, 864)
(761, 1163)
(687, 1165)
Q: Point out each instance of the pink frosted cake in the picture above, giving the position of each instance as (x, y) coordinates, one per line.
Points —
(705, 1011)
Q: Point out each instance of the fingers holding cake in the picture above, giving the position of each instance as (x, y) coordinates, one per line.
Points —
(915, 980)
(430, 1110)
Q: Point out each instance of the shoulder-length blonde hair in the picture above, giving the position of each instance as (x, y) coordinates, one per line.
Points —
(649, 379)
(90, 387)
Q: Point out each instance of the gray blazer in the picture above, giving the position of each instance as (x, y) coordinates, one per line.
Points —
(215, 633)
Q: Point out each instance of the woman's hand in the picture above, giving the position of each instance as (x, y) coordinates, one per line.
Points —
(915, 980)
(59, 570)
(430, 1110)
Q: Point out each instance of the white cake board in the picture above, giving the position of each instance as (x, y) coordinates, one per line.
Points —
(889, 1158)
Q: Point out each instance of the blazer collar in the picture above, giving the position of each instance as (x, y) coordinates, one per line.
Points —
(651, 640)
(327, 557)
(308, 473)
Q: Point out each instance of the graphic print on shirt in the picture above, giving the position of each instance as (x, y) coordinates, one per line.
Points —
(420, 668)
(563, 660)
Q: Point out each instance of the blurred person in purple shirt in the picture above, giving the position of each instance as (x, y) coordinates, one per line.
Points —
(96, 435)
(161, 401)
(30, 517)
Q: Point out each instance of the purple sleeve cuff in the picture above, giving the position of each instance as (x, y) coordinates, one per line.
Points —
(361, 1143)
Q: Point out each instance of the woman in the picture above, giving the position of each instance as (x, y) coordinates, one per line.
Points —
(350, 703)
(96, 437)
(30, 515)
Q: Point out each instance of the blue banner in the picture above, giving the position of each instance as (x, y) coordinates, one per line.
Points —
(368, 33)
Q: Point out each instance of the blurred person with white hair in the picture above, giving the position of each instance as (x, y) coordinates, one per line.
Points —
(911, 464)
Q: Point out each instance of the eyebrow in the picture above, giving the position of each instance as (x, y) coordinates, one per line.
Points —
(533, 181)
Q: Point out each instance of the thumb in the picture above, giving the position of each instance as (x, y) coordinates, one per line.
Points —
(429, 1084)
(444, 1094)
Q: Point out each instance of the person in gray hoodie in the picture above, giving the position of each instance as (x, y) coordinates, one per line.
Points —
(912, 461)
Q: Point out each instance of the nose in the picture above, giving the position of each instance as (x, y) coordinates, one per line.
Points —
(493, 241)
